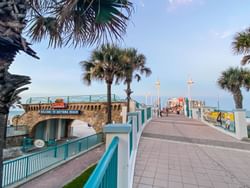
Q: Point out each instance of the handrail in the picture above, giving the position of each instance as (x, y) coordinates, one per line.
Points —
(20, 168)
(72, 99)
(97, 176)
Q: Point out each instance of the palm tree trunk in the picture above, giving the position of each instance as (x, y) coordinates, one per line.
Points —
(238, 99)
(9, 91)
(128, 92)
(109, 117)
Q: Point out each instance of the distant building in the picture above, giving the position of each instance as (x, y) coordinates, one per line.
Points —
(178, 104)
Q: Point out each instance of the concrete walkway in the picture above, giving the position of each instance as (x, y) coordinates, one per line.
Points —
(178, 152)
(63, 174)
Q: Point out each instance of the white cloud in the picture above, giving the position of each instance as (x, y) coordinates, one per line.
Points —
(179, 2)
(222, 34)
(173, 4)
(227, 33)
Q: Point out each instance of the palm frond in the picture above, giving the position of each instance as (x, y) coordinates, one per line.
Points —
(245, 60)
(46, 26)
(79, 22)
(137, 77)
(241, 42)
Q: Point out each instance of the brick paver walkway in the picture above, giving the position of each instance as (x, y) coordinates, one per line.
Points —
(61, 175)
(178, 152)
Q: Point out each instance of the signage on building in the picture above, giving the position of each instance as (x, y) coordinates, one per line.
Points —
(59, 112)
(59, 104)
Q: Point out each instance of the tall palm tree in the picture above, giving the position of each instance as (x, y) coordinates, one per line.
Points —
(233, 79)
(241, 45)
(133, 66)
(103, 65)
(64, 22)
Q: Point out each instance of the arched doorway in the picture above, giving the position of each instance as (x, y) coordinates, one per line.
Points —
(52, 129)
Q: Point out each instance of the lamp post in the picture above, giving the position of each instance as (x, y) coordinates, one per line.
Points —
(158, 85)
(189, 82)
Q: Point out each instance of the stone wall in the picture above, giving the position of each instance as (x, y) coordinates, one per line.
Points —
(93, 113)
(14, 141)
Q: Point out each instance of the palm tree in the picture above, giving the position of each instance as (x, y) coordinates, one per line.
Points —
(103, 65)
(133, 66)
(233, 79)
(64, 22)
(241, 45)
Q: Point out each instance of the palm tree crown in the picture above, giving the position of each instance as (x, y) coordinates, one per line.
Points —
(133, 66)
(241, 45)
(233, 79)
(78, 22)
(103, 65)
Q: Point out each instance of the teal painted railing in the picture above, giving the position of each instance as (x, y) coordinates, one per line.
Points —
(131, 114)
(73, 99)
(142, 116)
(149, 112)
(105, 173)
(137, 105)
(22, 167)
(130, 121)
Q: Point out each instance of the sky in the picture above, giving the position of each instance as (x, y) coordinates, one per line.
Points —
(181, 39)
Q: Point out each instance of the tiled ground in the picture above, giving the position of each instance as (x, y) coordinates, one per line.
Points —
(163, 163)
(178, 125)
(173, 164)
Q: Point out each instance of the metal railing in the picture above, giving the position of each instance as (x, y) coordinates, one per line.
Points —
(22, 167)
(142, 116)
(130, 121)
(73, 99)
(105, 173)
(149, 112)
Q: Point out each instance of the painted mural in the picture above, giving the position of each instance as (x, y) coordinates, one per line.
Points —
(223, 119)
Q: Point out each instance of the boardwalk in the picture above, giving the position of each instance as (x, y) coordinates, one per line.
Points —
(178, 152)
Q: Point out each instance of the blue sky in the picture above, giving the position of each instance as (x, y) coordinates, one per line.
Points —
(180, 38)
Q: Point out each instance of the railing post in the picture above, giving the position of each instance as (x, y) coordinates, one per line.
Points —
(27, 167)
(79, 146)
(240, 123)
(122, 132)
(55, 152)
(87, 142)
(135, 126)
(145, 115)
(66, 150)
(135, 129)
